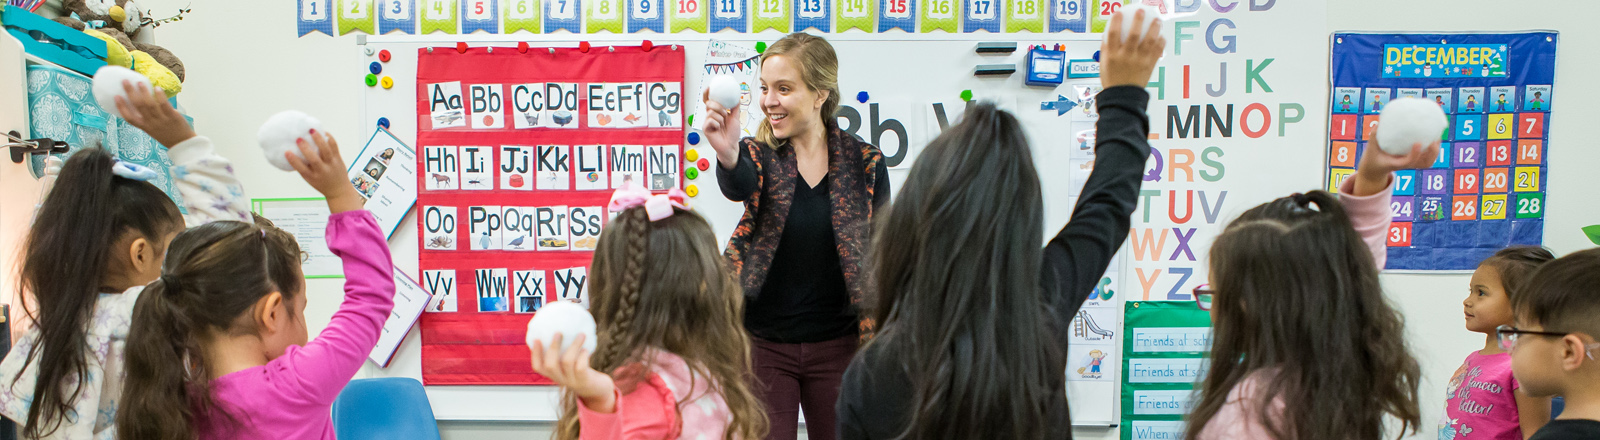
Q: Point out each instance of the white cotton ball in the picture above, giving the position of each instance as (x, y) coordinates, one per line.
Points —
(724, 90)
(1409, 121)
(564, 317)
(279, 133)
(1129, 11)
(108, 86)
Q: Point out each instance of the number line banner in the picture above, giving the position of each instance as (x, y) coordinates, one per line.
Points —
(356, 15)
(313, 16)
(770, 14)
(397, 16)
(521, 15)
(439, 16)
(1487, 189)
(814, 14)
(897, 14)
(480, 16)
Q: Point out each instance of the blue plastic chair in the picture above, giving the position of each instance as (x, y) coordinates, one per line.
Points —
(389, 408)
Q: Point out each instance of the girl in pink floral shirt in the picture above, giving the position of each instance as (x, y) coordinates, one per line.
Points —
(672, 360)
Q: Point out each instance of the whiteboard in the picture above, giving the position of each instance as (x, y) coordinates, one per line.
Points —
(902, 73)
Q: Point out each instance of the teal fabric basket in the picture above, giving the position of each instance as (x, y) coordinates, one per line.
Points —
(62, 107)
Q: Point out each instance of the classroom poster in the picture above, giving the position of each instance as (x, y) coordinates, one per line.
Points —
(1487, 189)
(690, 15)
(982, 15)
(647, 15)
(605, 15)
(729, 15)
(742, 63)
(520, 15)
(1166, 346)
(356, 15)
(438, 16)
(1233, 124)
(813, 14)
(940, 15)
(897, 14)
(563, 15)
(509, 212)
(385, 174)
(314, 16)
(480, 16)
(770, 14)
(307, 220)
(855, 14)
(1025, 15)
(397, 16)
(1067, 15)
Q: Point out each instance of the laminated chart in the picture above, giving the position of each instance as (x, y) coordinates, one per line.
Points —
(1487, 189)
(1166, 346)
(518, 154)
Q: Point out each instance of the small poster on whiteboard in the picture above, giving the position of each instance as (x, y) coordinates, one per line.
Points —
(307, 220)
(385, 173)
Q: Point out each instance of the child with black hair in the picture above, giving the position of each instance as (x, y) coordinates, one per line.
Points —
(99, 237)
(1554, 340)
(1482, 398)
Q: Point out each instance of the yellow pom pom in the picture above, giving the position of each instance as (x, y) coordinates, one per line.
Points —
(116, 54)
(160, 76)
(118, 14)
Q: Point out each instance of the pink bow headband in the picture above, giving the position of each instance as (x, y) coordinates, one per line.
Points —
(658, 206)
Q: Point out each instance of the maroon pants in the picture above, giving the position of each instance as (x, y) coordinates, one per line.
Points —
(796, 376)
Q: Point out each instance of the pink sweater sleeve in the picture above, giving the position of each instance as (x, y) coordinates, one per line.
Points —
(1239, 419)
(647, 413)
(327, 363)
(1370, 215)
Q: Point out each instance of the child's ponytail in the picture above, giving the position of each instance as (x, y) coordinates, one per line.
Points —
(213, 275)
(88, 214)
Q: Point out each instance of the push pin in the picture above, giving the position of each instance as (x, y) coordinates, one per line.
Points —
(430, 50)
(583, 47)
(383, 55)
(383, 122)
(522, 46)
(862, 97)
(611, 48)
(647, 45)
(491, 49)
(552, 51)
(694, 139)
(369, 51)
(461, 47)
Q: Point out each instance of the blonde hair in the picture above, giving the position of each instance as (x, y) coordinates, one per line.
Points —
(819, 70)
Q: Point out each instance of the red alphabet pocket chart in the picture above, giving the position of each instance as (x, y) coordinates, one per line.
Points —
(519, 153)
(1486, 190)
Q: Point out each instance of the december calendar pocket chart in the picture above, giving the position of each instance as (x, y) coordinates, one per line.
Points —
(519, 153)
(1486, 190)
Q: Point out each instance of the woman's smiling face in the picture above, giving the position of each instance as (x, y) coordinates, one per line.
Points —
(791, 107)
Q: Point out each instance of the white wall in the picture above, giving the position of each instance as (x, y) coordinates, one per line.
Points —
(245, 63)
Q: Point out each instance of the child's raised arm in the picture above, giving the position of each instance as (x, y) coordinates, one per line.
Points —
(1075, 259)
(210, 190)
(1366, 195)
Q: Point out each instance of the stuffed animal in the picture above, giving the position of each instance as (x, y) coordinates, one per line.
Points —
(122, 16)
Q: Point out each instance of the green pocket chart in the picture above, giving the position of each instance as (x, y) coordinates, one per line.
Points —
(604, 15)
(770, 14)
(1165, 346)
(1100, 11)
(689, 15)
(855, 14)
(356, 15)
(942, 15)
(438, 16)
(1025, 15)
(520, 15)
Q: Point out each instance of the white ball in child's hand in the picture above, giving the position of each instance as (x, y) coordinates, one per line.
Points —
(564, 317)
(108, 86)
(1129, 11)
(279, 133)
(724, 90)
(1409, 121)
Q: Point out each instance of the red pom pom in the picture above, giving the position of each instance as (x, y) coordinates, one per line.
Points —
(583, 47)
(522, 46)
(461, 47)
(647, 45)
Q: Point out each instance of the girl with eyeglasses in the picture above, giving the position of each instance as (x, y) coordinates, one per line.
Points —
(1300, 317)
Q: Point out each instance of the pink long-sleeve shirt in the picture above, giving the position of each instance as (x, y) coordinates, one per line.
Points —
(652, 410)
(290, 397)
(1237, 419)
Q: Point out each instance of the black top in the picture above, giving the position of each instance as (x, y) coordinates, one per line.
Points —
(875, 398)
(804, 298)
(1568, 429)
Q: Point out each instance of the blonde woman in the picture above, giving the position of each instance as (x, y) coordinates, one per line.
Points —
(809, 191)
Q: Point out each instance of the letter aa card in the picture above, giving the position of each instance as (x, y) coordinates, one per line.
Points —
(444, 104)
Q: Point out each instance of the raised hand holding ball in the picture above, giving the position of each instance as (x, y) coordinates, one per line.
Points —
(1409, 121)
(279, 133)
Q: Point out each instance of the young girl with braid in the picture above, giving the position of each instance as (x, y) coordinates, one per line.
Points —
(672, 360)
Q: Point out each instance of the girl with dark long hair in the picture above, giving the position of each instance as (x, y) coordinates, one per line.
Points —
(974, 314)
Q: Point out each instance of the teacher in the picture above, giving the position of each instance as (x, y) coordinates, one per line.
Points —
(809, 190)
